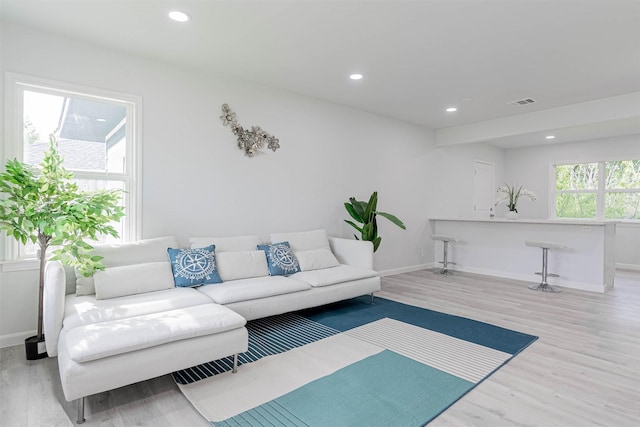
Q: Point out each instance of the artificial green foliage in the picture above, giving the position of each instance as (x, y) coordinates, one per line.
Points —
(509, 195)
(365, 213)
(45, 206)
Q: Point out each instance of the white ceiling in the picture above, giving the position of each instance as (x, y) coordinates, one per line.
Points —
(418, 57)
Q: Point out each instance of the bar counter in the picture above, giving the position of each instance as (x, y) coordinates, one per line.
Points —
(496, 247)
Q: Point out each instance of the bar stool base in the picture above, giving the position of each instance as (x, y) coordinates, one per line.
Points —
(544, 287)
(445, 261)
(545, 246)
(445, 268)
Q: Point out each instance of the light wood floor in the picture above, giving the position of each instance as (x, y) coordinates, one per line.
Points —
(583, 371)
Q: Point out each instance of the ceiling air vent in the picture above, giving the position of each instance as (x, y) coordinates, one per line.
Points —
(524, 101)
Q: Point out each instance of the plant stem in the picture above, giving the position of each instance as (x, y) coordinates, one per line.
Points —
(43, 241)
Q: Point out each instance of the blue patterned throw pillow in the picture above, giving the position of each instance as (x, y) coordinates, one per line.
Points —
(280, 258)
(194, 267)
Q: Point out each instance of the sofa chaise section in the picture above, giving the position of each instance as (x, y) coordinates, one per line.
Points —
(104, 344)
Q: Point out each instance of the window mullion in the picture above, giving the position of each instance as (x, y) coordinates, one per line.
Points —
(623, 190)
(577, 191)
(99, 176)
(600, 205)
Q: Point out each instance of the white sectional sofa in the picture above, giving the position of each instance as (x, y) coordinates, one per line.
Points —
(130, 322)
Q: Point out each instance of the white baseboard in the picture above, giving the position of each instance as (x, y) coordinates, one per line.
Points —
(627, 267)
(18, 338)
(409, 269)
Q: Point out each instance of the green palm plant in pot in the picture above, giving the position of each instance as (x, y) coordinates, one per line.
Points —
(365, 213)
(45, 206)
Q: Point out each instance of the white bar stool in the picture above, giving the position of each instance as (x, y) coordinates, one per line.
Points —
(545, 246)
(445, 242)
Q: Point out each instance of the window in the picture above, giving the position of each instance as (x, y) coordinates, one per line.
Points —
(622, 190)
(97, 137)
(576, 190)
(599, 190)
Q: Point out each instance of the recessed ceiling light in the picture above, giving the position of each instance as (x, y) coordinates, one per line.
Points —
(356, 76)
(101, 120)
(550, 136)
(452, 110)
(178, 16)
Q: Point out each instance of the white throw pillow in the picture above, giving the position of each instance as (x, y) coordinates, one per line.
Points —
(119, 254)
(303, 241)
(241, 265)
(134, 279)
(226, 244)
(316, 259)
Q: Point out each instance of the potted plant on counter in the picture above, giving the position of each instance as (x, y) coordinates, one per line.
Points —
(510, 195)
(365, 213)
(45, 206)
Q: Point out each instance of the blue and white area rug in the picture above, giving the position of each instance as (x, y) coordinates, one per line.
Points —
(350, 364)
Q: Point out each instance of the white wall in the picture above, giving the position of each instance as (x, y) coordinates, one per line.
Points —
(530, 167)
(196, 182)
(453, 177)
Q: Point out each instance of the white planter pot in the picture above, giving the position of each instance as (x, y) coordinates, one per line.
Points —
(511, 215)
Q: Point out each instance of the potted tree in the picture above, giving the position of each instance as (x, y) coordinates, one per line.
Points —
(45, 206)
(365, 214)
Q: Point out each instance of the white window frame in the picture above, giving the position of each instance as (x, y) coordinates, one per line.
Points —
(16, 84)
(599, 192)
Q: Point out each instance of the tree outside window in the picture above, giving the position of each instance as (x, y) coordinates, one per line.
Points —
(576, 190)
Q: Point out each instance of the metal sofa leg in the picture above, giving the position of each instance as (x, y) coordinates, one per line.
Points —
(80, 419)
(235, 363)
(371, 298)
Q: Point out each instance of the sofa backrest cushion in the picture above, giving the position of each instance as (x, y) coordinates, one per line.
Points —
(242, 264)
(133, 279)
(70, 276)
(120, 254)
(311, 248)
(316, 259)
(226, 244)
(303, 241)
(194, 267)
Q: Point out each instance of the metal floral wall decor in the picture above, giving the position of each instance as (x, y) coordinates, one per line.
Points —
(251, 141)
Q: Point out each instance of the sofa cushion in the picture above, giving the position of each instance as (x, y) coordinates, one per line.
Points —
(280, 258)
(86, 309)
(241, 265)
(119, 254)
(303, 241)
(316, 259)
(333, 275)
(248, 289)
(194, 267)
(84, 285)
(227, 244)
(134, 279)
(104, 339)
